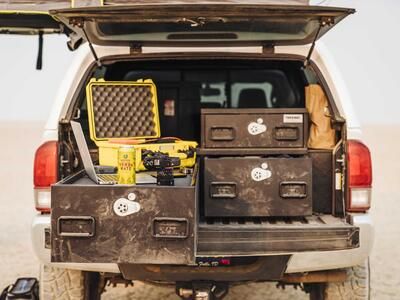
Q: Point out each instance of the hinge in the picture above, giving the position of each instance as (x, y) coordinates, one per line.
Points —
(327, 21)
(136, 49)
(268, 49)
(78, 22)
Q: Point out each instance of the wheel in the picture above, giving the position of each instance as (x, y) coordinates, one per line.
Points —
(66, 284)
(356, 286)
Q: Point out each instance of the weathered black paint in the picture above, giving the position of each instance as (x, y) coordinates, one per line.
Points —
(229, 128)
(134, 238)
(231, 191)
(265, 268)
(322, 180)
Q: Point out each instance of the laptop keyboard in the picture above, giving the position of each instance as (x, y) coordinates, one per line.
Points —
(141, 178)
(108, 177)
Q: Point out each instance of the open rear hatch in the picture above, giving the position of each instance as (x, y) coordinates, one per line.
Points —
(162, 23)
(175, 23)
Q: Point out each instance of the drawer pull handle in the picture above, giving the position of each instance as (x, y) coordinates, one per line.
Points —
(286, 133)
(293, 189)
(76, 226)
(222, 133)
(226, 190)
(170, 228)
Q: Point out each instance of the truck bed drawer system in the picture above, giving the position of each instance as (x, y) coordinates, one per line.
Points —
(267, 183)
(252, 195)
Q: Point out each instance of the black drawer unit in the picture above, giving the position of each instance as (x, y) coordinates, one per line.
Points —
(254, 128)
(141, 224)
(257, 186)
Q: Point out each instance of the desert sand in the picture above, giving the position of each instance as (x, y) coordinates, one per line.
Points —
(20, 140)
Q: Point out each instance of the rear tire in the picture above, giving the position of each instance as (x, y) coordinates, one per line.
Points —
(356, 286)
(65, 284)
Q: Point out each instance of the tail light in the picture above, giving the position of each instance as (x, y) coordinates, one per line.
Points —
(45, 173)
(359, 176)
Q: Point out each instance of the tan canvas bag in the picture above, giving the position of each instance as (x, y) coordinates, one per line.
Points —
(322, 136)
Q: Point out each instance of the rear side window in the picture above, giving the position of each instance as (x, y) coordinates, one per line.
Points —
(218, 84)
(261, 88)
(185, 87)
(245, 89)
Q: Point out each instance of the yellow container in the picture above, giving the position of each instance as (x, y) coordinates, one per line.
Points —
(126, 112)
(126, 165)
(108, 152)
(122, 110)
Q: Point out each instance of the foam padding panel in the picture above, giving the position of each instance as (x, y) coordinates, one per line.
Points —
(122, 110)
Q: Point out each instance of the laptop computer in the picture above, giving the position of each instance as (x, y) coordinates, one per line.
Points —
(141, 178)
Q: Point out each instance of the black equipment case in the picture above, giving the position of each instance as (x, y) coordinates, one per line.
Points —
(275, 128)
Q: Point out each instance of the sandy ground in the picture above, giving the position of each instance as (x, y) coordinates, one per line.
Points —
(16, 211)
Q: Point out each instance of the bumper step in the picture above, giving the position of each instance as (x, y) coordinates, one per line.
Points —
(265, 236)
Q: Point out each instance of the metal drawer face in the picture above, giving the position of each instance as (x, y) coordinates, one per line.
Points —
(238, 128)
(255, 186)
(137, 224)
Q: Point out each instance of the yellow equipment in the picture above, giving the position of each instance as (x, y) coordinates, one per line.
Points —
(126, 113)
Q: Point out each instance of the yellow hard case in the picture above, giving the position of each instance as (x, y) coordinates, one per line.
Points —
(95, 83)
(108, 146)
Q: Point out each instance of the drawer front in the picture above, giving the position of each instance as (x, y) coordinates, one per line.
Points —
(104, 224)
(241, 187)
(275, 130)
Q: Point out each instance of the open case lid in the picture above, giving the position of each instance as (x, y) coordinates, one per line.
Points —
(122, 109)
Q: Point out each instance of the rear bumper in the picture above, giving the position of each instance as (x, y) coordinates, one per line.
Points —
(326, 260)
(304, 261)
(276, 237)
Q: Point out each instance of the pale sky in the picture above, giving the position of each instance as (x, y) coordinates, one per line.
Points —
(366, 47)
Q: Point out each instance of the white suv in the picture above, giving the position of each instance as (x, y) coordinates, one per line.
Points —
(201, 55)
